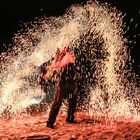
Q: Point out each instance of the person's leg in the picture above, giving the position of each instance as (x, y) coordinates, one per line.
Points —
(58, 96)
(72, 100)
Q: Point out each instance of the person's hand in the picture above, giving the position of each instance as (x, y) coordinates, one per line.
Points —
(46, 76)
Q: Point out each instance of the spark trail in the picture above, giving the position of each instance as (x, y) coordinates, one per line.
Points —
(112, 92)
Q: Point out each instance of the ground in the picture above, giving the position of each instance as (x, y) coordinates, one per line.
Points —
(33, 127)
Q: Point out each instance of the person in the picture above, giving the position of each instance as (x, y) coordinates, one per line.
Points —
(64, 71)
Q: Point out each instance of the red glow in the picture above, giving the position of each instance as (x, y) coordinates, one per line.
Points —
(63, 58)
(91, 128)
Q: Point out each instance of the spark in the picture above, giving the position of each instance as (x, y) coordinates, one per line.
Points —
(98, 25)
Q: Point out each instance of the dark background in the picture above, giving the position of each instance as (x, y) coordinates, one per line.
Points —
(14, 13)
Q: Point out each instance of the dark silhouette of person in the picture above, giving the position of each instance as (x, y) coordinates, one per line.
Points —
(65, 84)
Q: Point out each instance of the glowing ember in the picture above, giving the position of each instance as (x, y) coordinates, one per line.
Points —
(92, 24)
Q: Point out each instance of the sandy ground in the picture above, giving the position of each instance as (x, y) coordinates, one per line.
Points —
(87, 128)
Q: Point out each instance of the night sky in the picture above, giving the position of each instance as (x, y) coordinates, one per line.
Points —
(14, 13)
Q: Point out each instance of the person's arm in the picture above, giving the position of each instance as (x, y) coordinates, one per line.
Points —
(51, 70)
(67, 58)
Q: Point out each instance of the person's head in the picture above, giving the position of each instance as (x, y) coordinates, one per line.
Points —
(61, 52)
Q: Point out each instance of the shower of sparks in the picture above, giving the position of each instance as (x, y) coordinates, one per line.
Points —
(100, 28)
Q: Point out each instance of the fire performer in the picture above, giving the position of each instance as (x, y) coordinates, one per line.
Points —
(64, 71)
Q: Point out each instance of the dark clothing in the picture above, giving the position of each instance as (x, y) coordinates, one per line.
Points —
(68, 74)
(65, 87)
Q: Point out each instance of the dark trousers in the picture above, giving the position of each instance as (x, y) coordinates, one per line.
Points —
(64, 90)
